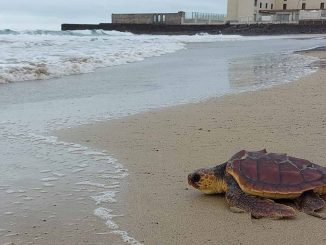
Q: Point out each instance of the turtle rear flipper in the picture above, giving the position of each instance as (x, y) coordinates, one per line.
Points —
(257, 206)
(310, 202)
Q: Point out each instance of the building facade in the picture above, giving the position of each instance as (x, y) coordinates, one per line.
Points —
(300, 4)
(248, 11)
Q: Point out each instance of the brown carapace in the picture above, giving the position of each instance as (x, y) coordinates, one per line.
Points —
(251, 179)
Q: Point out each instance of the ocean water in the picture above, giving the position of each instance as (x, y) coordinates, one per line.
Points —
(37, 55)
(55, 80)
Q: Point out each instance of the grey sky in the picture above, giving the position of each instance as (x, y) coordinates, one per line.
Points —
(30, 14)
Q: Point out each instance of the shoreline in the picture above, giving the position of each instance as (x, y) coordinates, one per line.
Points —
(160, 147)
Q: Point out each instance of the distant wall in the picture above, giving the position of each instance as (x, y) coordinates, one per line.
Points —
(132, 18)
(151, 18)
(306, 27)
(73, 27)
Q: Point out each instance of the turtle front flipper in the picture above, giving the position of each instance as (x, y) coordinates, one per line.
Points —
(257, 206)
(310, 202)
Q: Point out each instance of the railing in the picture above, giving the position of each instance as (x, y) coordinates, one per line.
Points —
(312, 14)
(204, 18)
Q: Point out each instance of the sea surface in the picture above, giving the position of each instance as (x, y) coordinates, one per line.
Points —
(53, 80)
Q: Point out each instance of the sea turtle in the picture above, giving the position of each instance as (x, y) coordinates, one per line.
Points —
(250, 180)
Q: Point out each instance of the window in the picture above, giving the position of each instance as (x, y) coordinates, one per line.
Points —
(322, 5)
(266, 5)
(303, 6)
(272, 6)
(260, 5)
(155, 18)
(163, 17)
(159, 18)
(284, 6)
(256, 2)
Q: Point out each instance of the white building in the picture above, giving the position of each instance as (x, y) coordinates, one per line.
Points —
(251, 11)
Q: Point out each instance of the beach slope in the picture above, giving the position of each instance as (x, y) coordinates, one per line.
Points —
(161, 147)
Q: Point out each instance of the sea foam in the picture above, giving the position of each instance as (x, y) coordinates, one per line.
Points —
(106, 214)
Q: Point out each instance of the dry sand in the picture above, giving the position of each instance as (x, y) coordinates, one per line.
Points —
(161, 147)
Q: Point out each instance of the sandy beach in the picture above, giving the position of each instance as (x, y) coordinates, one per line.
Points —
(161, 147)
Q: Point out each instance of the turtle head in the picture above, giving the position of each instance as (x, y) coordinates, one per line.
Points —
(209, 180)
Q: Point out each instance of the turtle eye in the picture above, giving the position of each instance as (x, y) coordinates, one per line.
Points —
(195, 178)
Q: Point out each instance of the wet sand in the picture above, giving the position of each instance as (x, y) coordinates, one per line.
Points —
(161, 147)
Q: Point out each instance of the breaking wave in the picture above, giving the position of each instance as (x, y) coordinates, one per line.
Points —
(44, 54)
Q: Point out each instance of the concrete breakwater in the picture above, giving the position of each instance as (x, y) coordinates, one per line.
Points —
(243, 29)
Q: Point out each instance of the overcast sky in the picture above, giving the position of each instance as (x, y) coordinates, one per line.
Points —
(49, 14)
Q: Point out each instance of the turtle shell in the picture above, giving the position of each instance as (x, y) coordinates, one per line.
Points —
(275, 175)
